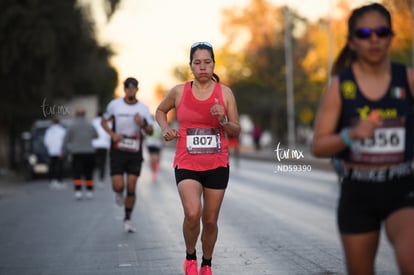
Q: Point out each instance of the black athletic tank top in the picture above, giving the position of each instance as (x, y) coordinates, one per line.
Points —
(393, 141)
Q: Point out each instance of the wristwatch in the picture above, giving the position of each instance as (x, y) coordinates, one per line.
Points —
(225, 121)
(145, 123)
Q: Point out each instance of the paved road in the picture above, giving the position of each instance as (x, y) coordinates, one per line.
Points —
(271, 223)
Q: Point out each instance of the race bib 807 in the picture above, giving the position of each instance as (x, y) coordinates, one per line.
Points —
(203, 140)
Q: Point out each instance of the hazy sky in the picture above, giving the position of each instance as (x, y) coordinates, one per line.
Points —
(150, 37)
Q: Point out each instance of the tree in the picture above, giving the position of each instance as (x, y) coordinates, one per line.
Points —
(315, 61)
(257, 71)
(252, 60)
(401, 48)
(47, 50)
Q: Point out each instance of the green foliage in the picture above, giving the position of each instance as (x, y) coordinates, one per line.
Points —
(261, 93)
(48, 50)
(182, 73)
(252, 61)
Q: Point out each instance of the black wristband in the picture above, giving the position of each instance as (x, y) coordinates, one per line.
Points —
(145, 123)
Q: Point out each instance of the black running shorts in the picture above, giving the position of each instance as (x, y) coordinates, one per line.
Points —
(217, 178)
(363, 206)
(154, 149)
(125, 162)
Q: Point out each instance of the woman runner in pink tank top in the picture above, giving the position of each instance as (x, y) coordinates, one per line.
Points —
(206, 112)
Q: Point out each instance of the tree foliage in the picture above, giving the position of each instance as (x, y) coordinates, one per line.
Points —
(401, 48)
(252, 60)
(317, 35)
(48, 50)
(259, 77)
(254, 56)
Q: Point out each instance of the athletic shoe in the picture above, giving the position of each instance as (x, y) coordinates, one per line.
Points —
(89, 195)
(119, 199)
(78, 195)
(129, 227)
(205, 270)
(190, 267)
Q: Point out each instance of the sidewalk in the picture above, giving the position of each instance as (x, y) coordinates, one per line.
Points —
(10, 182)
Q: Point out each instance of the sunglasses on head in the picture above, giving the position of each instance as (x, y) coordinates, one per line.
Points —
(365, 33)
(201, 44)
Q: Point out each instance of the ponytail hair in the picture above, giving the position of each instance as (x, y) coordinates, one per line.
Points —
(344, 60)
(215, 77)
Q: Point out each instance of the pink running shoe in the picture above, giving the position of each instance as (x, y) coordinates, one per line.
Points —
(190, 267)
(205, 270)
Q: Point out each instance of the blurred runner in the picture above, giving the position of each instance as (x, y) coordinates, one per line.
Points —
(234, 149)
(101, 145)
(129, 117)
(78, 140)
(257, 135)
(155, 143)
(366, 120)
(53, 141)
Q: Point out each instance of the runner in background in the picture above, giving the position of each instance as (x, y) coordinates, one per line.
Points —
(234, 149)
(78, 140)
(155, 143)
(101, 145)
(53, 141)
(130, 118)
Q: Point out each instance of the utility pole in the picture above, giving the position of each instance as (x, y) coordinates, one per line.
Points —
(289, 80)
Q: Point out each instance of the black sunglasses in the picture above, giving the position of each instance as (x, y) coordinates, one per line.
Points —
(365, 33)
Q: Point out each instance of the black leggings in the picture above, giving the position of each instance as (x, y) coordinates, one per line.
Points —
(55, 168)
(83, 166)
